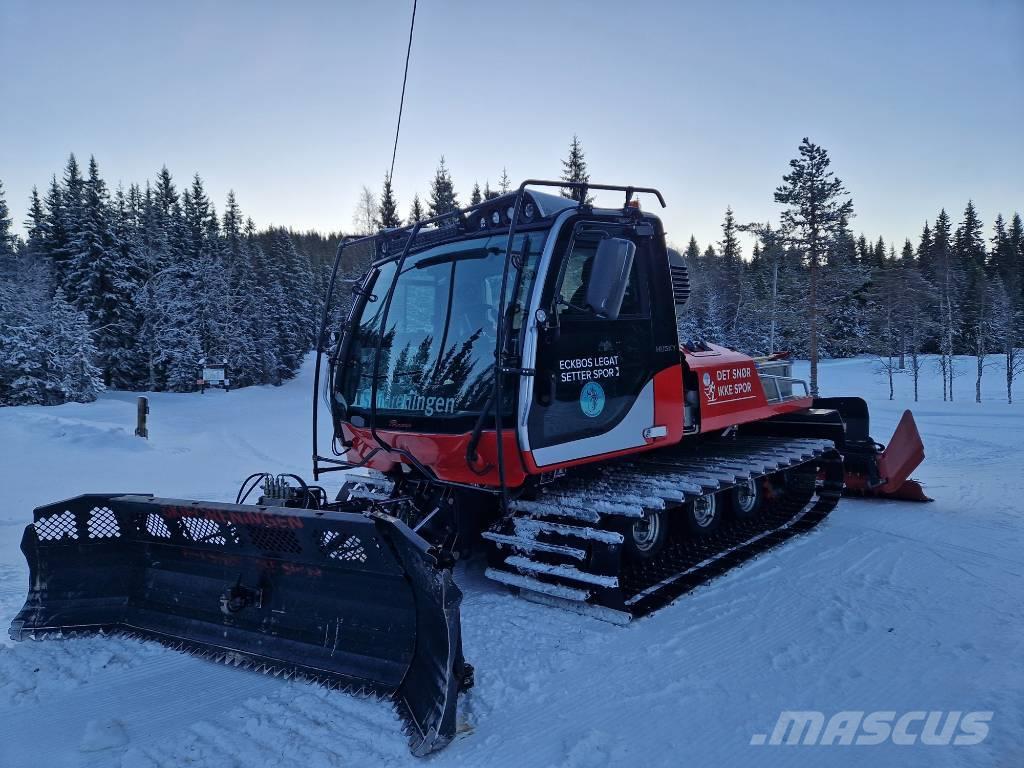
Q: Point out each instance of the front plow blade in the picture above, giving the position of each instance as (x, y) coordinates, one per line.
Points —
(349, 600)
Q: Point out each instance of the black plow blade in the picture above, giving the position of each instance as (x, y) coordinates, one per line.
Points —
(355, 601)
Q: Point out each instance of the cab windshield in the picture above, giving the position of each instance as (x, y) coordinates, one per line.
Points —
(437, 351)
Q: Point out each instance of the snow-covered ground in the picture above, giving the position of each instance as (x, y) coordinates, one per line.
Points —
(886, 606)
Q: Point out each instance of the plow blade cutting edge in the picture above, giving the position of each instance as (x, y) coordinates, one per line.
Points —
(354, 601)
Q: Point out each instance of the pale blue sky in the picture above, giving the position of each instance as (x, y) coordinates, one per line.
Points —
(292, 105)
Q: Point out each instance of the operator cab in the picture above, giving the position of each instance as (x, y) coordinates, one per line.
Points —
(586, 326)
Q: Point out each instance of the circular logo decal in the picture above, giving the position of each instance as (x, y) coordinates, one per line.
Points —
(709, 387)
(592, 399)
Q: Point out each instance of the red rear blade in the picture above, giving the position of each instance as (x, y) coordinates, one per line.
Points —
(902, 456)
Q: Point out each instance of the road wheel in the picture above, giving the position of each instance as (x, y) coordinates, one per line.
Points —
(645, 536)
(704, 514)
(747, 497)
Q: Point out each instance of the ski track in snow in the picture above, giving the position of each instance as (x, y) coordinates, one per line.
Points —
(886, 606)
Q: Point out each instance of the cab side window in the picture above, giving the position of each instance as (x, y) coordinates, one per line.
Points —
(576, 276)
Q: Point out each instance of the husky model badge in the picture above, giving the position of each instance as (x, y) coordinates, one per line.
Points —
(709, 387)
(592, 399)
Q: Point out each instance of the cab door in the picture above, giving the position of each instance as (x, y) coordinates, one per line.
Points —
(593, 391)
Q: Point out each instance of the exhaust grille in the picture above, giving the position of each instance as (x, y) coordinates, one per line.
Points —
(680, 284)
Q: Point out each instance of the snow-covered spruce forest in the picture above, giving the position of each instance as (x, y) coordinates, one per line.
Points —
(131, 290)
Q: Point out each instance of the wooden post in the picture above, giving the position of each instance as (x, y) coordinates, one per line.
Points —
(143, 411)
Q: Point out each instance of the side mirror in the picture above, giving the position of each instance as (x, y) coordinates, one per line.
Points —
(609, 276)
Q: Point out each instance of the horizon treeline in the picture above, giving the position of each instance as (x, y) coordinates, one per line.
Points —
(132, 290)
(135, 289)
(949, 291)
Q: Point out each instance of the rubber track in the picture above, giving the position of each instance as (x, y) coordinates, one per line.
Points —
(814, 486)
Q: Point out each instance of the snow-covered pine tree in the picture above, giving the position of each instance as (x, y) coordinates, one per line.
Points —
(91, 280)
(24, 374)
(387, 211)
(57, 237)
(878, 253)
(686, 322)
(203, 260)
(25, 287)
(243, 296)
(731, 278)
(924, 252)
(761, 323)
(283, 328)
(174, 345)
(574, 170)
(36, 224)
(504, 183)
(416, 212)
(7, 238)
(71, 352)
(947, 277)
(292, 273)
(168, 231)
(816, 210)
(442, 192)
(692, 253)
(907, 253)
(864, 251)
(122, 360)
(843, 285)
(65, 202)
(1007, 314)
(711, 313)
(969, 253)
(13, 344)
(476, 196)
(1015, 234)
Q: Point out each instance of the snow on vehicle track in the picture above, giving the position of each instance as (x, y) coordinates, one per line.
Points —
(886, 606)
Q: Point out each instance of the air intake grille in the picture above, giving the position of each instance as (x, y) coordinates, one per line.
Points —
(680, 284)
